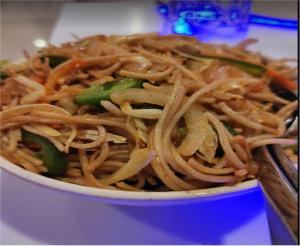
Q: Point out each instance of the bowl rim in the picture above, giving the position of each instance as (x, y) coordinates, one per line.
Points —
(116, 195)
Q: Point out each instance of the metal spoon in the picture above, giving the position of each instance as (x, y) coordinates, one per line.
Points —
(278, 176)
(276, 151)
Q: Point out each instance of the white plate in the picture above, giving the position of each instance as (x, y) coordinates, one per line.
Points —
(132, 14)
(132, 197)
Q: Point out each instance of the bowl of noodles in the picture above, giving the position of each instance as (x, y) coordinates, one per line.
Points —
(142, 117)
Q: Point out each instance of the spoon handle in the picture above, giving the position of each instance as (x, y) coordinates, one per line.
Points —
(277, 187)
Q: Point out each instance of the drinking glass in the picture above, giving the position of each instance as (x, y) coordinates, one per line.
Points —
(206, 19)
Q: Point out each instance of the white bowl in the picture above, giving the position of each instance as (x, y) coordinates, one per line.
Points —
(132, 197)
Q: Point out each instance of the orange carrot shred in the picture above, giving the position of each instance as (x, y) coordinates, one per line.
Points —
(61, 71)
(281, 80)
(55, 126)
(37, 79)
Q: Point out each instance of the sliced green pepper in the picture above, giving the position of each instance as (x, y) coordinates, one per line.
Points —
(182, 131)
(53, 159)
(3, 62)
(250, 68)
(3, 75)
(54, 61)
(230, 129)
(97, 93)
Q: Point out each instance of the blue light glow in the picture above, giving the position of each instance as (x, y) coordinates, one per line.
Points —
(188, 18)
(198, 16)
(163, 9)
(269, 21)
(182, 27)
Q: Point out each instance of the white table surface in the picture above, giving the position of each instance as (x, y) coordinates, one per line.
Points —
(36, 215)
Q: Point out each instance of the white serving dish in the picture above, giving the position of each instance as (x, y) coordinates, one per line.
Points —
(132, 197)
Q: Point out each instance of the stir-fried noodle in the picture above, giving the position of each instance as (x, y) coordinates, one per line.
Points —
(143, 112)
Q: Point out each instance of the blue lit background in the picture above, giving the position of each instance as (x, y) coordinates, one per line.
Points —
(274, 22)
(192, 19)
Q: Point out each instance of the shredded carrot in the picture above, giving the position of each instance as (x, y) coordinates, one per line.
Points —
(55, 126)
(281, 80)
(73, 91)
(43, 100)
(61, 71)
(37, 79)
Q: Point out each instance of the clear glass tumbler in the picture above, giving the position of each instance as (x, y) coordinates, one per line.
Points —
(207, 19)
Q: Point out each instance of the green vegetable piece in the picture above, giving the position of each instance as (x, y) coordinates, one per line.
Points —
(54, 61)
(250, 68)
(3, 62)
(97, 93)
(53, 159)
(3, 75)
(182, 131)
(230, 129)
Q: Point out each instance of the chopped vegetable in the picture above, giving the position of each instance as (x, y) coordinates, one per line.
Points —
(68, 104)
(37, 92)
(181, 131)
(142, 129)
(3, 75)
(230, 129)
(139, 95)
(54, 61)
(55, 161)
(200, 135)
(60, 71)
(115, 138)
(210, 144)
(97, 93)
(282, 81)
(250, 68)
(139, 159)
(3, 62)
(48, 130)
(151, 114)
(253, 69)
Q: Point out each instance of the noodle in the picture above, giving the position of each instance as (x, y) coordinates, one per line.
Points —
(133, 113)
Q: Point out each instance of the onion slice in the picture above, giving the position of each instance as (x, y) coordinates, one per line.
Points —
(151, 114)
(139, 159)
(37, 93)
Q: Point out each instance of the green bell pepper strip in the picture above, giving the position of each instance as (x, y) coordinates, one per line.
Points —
(3, 75)
(182, 131)
(250, 68)
(3, 62)
(55, 161)
(97, 93)
(253, 69)
(54, 60)
(230, 129)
